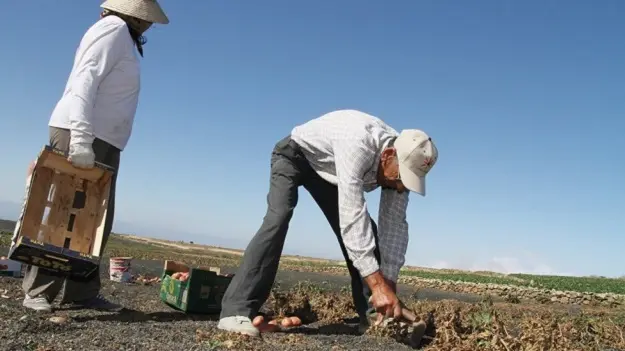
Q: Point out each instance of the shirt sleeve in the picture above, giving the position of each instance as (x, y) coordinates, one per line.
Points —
(392, 232)
(353, 157)
(102, 50)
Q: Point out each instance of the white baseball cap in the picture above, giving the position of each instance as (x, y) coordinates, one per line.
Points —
(147, 10)
(416, 154)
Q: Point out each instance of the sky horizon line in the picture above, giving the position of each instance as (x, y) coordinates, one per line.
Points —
(339, 260)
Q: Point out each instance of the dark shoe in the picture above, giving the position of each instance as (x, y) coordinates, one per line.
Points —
(99, 303)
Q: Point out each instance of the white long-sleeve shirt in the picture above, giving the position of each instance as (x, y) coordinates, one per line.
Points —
(102, 92)
(344, 148)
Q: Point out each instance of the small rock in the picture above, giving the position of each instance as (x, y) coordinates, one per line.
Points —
(58, 319)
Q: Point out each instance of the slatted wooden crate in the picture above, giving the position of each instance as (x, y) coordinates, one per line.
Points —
(62, 224)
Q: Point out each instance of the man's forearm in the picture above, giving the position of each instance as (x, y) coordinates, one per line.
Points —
(356, 231)
(393, 232)
(367, 264)
(376, 278)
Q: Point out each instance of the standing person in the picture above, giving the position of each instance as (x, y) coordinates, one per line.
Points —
(93, 122)
(337, 158)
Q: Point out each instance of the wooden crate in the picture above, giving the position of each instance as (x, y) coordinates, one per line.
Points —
(62, 223)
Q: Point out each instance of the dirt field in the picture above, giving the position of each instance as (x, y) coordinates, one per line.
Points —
(462, 322)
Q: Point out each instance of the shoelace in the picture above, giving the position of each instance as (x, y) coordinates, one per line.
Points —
(241, 320)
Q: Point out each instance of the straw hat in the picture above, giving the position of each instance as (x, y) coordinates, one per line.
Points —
(147, 10)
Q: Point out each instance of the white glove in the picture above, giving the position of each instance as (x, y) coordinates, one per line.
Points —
(81, 155)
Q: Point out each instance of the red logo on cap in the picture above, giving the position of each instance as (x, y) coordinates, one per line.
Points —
(428, 162)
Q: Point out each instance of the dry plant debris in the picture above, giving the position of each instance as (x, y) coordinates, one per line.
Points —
(310, 303)
(145, 280)
(452, 325)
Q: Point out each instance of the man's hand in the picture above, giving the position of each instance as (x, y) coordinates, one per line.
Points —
(383, 297)
(81, 155)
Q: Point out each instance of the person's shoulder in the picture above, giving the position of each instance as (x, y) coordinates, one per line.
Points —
(111, 23)
(108, 32)
(107, 25)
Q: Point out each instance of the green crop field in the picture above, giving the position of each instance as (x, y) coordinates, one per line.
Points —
(465, 277)
(581, 284)
(561, 283)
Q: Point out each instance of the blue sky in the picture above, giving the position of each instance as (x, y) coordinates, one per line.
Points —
(525, 101)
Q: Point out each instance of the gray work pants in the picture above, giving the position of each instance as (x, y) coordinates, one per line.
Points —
(254, 278)
(37, 282)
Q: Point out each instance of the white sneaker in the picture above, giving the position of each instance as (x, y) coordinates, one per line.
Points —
(37, 303)
(238, 324)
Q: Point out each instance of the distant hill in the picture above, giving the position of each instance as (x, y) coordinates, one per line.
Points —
(6, 225)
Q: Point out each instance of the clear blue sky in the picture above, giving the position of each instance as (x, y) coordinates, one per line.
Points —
(525, 100)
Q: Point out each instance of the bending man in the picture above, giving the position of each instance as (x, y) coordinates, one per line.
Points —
(337, 158)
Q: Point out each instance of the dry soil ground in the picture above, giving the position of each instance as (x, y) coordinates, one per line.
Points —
(149, 324)
(462, 322)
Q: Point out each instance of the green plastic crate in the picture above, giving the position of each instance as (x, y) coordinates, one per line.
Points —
(201, 293)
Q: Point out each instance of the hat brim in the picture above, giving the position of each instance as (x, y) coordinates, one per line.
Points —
(412, 181)
(148, 11)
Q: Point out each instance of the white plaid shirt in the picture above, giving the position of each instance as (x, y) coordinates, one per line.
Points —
(344, 148)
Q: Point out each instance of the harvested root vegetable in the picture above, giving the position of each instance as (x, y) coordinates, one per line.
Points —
(286, 322)
(266, 327)
(181, 276)
(275, 325)
(295, 321)
(145, 280)
(272, 327)
(273, 322)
